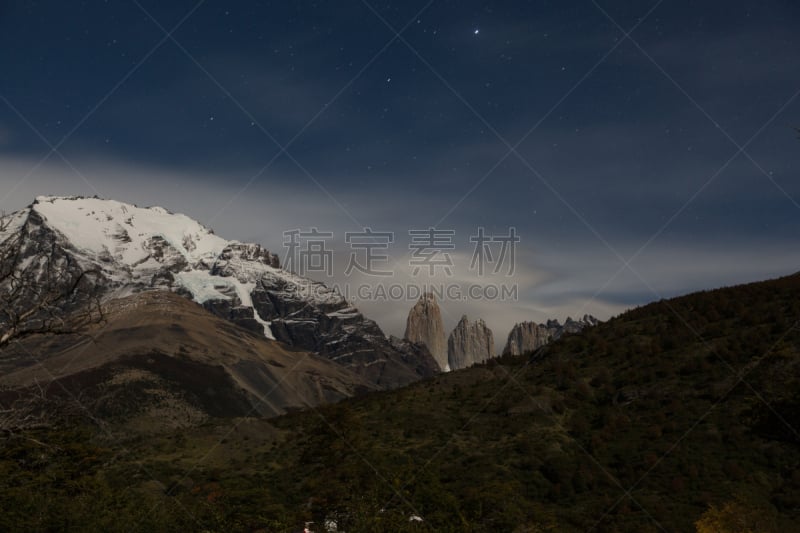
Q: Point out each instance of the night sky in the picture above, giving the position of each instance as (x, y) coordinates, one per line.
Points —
(674, 143)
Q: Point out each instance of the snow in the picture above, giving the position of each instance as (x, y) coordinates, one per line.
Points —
(202, 285)
(137, 247)
(243, 291)
(13, 223)
(205, 287)
(348, 312)
(304, 288)
(96, 226)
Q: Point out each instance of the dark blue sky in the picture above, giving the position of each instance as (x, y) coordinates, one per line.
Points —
(401, 132)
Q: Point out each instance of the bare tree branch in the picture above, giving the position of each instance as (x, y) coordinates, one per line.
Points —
(42, 289)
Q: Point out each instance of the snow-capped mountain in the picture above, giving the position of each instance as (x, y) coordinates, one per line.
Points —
(133, 249)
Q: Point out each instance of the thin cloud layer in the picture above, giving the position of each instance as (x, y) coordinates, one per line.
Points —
(551, 279)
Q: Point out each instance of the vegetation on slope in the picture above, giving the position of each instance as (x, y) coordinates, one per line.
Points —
(675, 416)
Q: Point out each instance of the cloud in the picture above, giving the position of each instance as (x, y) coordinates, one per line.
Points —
(751, 57)
(554, 278)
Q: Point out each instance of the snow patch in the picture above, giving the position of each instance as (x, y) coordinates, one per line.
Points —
(202, 285)
(93, 225)
(147, 248)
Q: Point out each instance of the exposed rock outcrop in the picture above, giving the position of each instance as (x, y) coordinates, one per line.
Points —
(56, 241)
(469, 343)
(526, 337)
(424, 326)
(574, 326)
(160, 361)
(529, 336)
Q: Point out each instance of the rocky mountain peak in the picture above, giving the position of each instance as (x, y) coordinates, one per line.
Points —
(529, 336)
(424, 326)
(134, 249)
(469, 343)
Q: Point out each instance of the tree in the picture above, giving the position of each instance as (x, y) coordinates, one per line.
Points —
(740, 515)
(42, 289)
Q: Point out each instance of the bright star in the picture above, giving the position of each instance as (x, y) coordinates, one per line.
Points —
(477, 31)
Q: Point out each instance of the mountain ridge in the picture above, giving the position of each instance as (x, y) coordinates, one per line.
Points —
(156, 351)
(639, 424)
(133, 249)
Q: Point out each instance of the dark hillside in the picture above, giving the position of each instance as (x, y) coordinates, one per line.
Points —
(677, 413)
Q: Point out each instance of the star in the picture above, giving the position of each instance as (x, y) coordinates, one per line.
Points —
(476, 31)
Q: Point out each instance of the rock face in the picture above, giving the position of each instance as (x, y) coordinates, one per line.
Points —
(526, 337)
(529, 336)
(159, 360)
(130, 249)
(469, 343)
(424, 326)
(574, 326)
